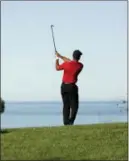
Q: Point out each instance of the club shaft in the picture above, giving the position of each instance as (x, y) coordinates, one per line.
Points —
(53, 38)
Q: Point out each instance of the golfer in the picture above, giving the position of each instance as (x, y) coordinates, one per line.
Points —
(69, 89)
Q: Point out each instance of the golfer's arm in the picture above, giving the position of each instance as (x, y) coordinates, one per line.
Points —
(64, 58)
(57, 64)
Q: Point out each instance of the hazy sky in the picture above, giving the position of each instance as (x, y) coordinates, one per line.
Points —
(98, 29)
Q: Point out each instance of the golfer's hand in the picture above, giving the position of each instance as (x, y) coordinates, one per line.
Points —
(57, 54)
(56, 57)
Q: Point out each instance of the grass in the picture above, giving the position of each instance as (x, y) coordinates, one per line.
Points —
(89, 142)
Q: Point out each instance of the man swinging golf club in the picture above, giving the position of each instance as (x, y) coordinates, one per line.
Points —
(69, 89)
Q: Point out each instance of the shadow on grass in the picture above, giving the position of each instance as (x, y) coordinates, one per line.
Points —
(4, 131)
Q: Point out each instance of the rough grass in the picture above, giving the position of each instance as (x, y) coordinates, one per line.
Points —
(90, 142)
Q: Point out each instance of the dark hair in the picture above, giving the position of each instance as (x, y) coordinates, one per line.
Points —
(77, 54)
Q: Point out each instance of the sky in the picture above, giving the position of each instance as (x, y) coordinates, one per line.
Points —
(97, 29)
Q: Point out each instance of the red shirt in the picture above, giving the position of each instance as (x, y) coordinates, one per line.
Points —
(71, 71)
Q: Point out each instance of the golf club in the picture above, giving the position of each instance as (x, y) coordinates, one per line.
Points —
(53, 37)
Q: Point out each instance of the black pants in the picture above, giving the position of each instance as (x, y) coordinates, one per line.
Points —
(70, 99)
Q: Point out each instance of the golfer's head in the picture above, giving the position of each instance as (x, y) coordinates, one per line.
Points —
(77, 55)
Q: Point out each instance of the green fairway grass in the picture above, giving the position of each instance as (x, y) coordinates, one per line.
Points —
(86, 142)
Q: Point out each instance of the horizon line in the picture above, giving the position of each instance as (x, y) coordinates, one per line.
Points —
(109, 100)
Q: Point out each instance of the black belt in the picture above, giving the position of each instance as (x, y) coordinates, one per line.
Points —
(67, 83)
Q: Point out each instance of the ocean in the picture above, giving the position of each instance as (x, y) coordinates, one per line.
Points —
(41, 114)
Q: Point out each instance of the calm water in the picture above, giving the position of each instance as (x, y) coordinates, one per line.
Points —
(33, 114)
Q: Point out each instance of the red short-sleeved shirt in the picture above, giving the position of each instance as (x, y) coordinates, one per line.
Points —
(71, 71)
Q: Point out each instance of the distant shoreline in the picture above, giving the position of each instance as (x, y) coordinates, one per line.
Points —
(35, 102)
